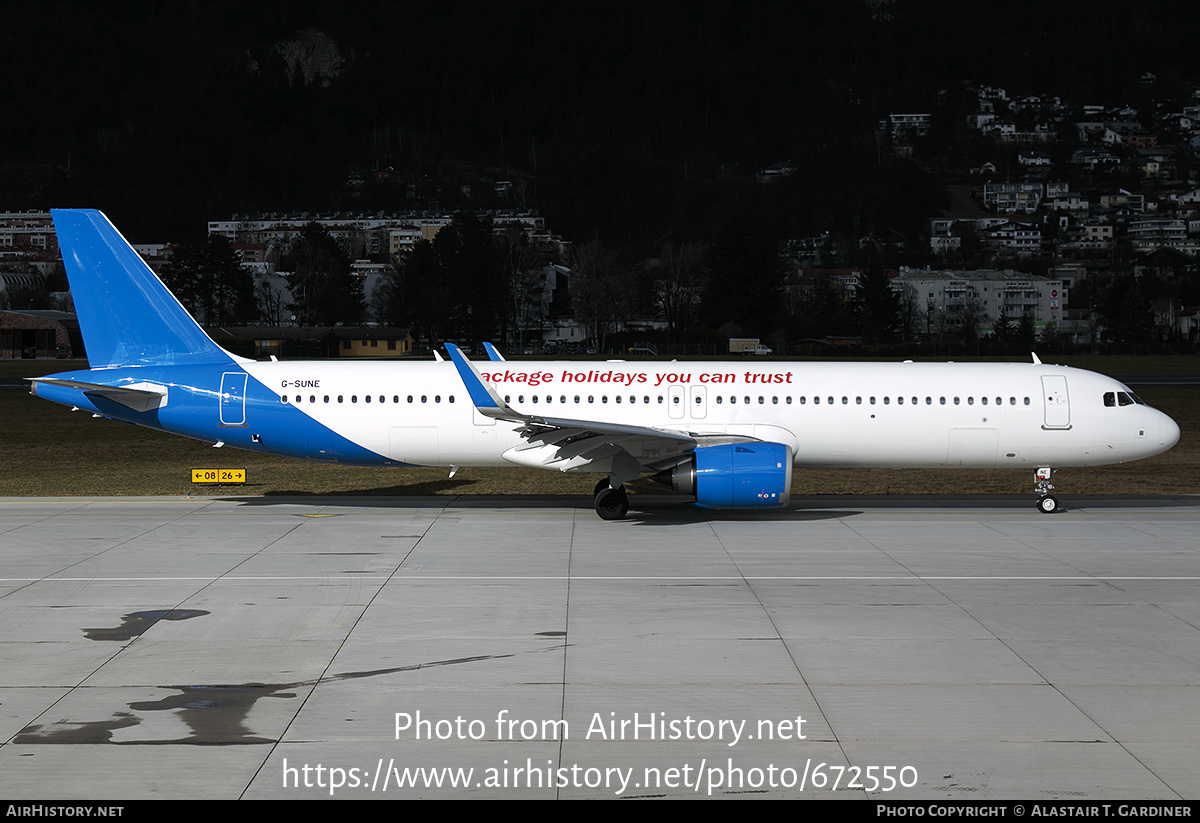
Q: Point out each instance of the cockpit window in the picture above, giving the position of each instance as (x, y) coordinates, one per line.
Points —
(1122, 398)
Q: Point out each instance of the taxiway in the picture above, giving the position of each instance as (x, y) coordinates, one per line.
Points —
(963, 648)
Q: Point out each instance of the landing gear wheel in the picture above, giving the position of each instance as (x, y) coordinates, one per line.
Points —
(612, 504)
(601, 486)
(1047, 503)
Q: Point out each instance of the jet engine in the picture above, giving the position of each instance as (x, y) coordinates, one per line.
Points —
(750, 475)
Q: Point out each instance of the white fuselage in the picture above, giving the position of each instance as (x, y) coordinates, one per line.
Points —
(888, 415)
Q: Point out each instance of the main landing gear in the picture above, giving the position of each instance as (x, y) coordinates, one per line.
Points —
(1047, 503)
(610, 503)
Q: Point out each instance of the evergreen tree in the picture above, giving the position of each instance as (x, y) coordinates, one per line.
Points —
(452, 287)
(745, 278)
(324, 290)
(1125, 311)
(209, 279)
(877, 306)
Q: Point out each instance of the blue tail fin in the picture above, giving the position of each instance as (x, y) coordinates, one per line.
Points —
(127, 316)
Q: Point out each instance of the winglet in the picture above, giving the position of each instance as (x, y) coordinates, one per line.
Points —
(482, 395)
(492, 354)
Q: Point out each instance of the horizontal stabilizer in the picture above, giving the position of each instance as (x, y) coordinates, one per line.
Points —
(140, 397)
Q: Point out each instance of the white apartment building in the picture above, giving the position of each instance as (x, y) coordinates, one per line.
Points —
(989, 292)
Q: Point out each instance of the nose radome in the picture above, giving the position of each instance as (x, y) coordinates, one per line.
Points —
(1168, 431)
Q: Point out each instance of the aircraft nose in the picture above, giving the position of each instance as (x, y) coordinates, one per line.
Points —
(1168, 432)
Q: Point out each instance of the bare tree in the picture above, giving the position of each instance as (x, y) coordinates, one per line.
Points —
(522, 267)
(600, 291)
(910, 311)
(679, 281)
(271, 303)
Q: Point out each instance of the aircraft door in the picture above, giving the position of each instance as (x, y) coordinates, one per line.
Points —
(233, 399)
(1058, 407)
(699, 401)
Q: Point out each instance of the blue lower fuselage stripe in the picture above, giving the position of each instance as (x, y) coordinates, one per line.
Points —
(200, 405)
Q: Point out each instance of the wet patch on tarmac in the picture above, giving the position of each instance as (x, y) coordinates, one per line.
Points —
(215, 715)
(136, 624)
(100, 731)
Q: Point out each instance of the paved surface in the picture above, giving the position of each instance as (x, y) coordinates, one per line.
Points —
(971, 648)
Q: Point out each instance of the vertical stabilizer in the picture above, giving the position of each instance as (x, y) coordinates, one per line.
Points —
(126, 315)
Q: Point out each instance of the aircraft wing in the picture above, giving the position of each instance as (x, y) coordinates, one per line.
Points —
(566, 443)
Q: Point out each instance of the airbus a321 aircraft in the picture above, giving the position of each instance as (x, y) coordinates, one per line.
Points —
(728, 434)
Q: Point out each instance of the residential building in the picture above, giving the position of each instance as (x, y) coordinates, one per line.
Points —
(361, 235)
(1151, 233)
(1012, 197)
(904, 126)
(988, 294)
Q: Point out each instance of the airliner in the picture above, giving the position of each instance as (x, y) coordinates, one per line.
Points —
(725, 433)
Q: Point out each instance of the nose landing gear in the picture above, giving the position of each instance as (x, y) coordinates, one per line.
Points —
(1047, 503)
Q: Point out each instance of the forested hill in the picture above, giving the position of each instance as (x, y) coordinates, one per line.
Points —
(620, 121)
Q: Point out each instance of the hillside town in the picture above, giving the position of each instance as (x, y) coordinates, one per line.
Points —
(1078, 227)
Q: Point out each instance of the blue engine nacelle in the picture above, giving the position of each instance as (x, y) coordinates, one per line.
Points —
(749, 475)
